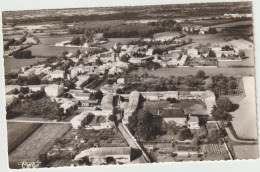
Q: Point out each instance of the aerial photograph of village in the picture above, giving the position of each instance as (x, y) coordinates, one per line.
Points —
(130, 84)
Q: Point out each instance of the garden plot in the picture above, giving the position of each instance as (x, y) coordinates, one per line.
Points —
(18, 132)
(35, 146)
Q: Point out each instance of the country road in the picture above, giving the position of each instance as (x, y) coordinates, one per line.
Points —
(133, 144)
(42, 122)
(232, 137)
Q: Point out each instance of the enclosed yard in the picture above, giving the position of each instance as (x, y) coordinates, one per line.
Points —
(37, 144)
(45, 50)
(18, 132)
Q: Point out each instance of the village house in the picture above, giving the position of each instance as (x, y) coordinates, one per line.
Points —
(54, 90)
(193, 52)
(82, 96)
(57, 74)
(106, 155)
(79, 120)
(193, 122)
(87, 103)
(107, 103)
(174, 115)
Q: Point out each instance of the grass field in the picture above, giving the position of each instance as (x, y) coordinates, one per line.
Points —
(112, 41)
(13, 63)
(192, 106)
(245, 117)
(153, 107)
(246, 151)
(166, 34)
(54, 39)
(233, 24)
(18, 132)
(38, 143)
(205, 39)
(44, 50)
(184, 71)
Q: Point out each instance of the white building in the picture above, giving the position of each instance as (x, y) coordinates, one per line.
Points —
(54, 90)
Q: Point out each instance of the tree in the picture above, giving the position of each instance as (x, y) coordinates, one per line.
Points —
(200, 74)
(225, 104)
(212, 53)
(124, 58)
(64, 53)
(141, 124)
(220, 115)
(78, 53)
(33, 80)
(112, 117)
(158, 51)
(185, 134)
(190, 40)
(24, 90)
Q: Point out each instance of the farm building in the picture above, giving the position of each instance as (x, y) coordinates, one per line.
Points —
(159, 95)
(210, 100)
(107, 102)
(193, 122)
(79, 120)
(193, 52)
(174, 115)
(35, 88)
(134, 98)
(106, 155)
(54, 90)
(82, 96)
(57, 74)
(86, 103)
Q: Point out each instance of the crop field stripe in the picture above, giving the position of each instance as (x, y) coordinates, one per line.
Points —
(15, 143)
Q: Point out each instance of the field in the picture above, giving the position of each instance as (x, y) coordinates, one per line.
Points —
(165, 34)
(215, 152)
(204, 39)
(184, 71)
(54, 39)
(245, 120)
(113, 41)
(45, 51)
(13, 63)
(153, 107)
(191, 106)
(37, 144)
(233, 24)
(246, 151)
(18, 132)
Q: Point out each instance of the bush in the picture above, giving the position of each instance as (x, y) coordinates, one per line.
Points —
(185, 134)
(24, 90)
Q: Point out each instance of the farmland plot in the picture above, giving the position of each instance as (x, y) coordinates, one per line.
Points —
(38, 143)
(18, 132)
